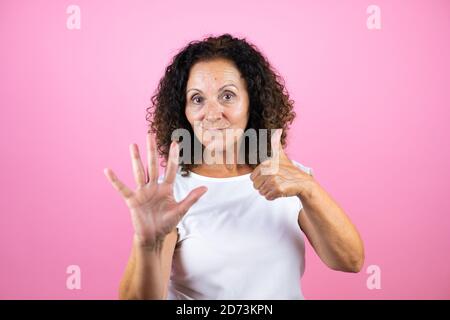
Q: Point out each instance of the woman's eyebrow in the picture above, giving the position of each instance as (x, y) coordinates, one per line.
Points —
(229, 84)
(221, 88)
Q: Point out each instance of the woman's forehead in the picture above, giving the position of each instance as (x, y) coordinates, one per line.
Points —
(213, 74)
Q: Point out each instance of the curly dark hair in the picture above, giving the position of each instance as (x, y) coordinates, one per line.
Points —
(269, 104)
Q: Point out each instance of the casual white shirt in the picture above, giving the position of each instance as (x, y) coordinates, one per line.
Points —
(235, 244)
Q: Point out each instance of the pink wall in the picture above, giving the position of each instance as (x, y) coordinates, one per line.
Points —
(373, 110)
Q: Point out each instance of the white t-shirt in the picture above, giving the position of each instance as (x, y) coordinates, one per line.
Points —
(235, 244)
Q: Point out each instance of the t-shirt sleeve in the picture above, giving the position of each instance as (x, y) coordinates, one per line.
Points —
(181, 231)
(304, 168)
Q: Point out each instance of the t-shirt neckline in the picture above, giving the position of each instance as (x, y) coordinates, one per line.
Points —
(205, 178)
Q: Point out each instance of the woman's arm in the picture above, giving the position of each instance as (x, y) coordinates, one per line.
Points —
(326, 225)
(148, 270)
(330, 231)
(155, 214)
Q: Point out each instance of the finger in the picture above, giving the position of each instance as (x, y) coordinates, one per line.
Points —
(172, 164)
(117, 184)
(138, 169)
(259, 181)
(276, 154)
(152, 159)
(275, 142)
(271, 195)
(265, 187)
(257, 171)
(254, 174)
(190, 199)
(183, 206)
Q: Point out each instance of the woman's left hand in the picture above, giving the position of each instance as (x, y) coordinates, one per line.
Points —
(326, 225)
(278, 176)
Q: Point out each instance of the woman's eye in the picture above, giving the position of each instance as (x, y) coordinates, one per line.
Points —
(197, 99)
(228, 96)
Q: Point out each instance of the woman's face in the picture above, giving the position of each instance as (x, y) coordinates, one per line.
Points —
(216, 99)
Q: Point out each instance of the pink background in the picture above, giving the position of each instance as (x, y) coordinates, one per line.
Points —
(373, 111)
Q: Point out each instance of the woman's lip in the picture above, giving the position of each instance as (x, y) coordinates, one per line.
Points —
(215, 129)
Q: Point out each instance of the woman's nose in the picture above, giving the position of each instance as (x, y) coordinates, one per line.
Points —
(213, 117)
(213, 113)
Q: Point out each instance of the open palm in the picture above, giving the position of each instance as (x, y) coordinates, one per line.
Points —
(154, 210)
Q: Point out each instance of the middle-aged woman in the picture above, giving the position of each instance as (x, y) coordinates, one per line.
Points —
(226, 229)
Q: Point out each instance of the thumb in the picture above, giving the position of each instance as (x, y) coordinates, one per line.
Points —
(275, 141)
(191, 198)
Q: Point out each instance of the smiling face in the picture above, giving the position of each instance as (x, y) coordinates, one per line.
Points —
(216, 100)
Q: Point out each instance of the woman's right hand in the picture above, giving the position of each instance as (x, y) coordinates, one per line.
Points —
(154, 211)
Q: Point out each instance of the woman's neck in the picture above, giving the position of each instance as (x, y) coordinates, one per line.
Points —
(222, 170)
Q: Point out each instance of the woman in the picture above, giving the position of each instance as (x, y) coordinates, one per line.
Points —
(226, 229)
